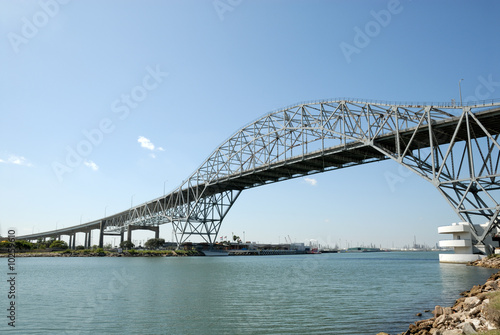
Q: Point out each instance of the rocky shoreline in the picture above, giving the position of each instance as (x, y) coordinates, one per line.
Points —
(476, 312)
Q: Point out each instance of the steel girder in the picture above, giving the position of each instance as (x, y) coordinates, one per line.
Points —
(317, 137)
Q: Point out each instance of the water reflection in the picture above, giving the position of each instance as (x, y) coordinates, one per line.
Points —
(454, 277)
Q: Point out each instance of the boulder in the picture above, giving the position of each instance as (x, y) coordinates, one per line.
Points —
(476, 310)
(471, 302)
(439, 321)
(475, 290)
(438, 310)
(468, 328)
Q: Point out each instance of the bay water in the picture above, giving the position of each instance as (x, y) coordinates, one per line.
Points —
(347, 293)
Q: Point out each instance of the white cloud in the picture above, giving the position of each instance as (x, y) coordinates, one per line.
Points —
(145, 143)
(311, 181)
(91, 165)
(16, 160)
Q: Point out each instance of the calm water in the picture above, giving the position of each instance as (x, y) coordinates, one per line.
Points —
(301, 294)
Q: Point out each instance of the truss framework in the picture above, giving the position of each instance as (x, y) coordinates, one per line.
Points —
(454, 148)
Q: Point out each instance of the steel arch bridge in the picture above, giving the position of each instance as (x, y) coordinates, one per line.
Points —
(456, 148)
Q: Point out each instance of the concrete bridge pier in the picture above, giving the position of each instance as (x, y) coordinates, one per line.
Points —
(86, 244)
(101, 235)
(72, 241)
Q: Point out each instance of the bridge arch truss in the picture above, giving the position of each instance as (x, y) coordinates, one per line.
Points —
(456, 148)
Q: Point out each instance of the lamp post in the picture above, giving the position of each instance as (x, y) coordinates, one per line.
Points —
(460, 91)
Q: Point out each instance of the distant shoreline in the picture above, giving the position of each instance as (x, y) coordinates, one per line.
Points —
(93, 253)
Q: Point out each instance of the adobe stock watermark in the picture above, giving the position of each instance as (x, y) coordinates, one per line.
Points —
(372, 29)
(30, 27)
(484, 90)
(121, 108)
(223, 6)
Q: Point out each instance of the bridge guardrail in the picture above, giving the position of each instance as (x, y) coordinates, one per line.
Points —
(488, 102)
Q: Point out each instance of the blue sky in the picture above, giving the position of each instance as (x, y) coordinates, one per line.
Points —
(199, 71)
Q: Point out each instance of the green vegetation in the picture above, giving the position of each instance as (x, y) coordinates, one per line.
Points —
(59, 244)
(493, 311)
(61, 248)
(187, 252)
(23, 245)
(127, 245)
(154, 243)
(19, 245)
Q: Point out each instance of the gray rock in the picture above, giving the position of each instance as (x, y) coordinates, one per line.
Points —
(439, 321)
(438, 310)
(468, 328)
(472, 302)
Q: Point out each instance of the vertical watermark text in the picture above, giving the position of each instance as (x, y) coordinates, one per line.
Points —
(11, 279)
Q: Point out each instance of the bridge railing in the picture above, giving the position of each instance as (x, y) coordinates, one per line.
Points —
(411, 104)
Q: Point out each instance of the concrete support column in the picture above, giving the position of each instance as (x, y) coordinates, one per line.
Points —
(89, 241)
(101, 235)
(122, 236)
(129, 234)
(157, 232)
(74, 242)
(70, 239)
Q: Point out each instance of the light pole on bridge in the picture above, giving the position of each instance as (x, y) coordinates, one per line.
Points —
(460, 91)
